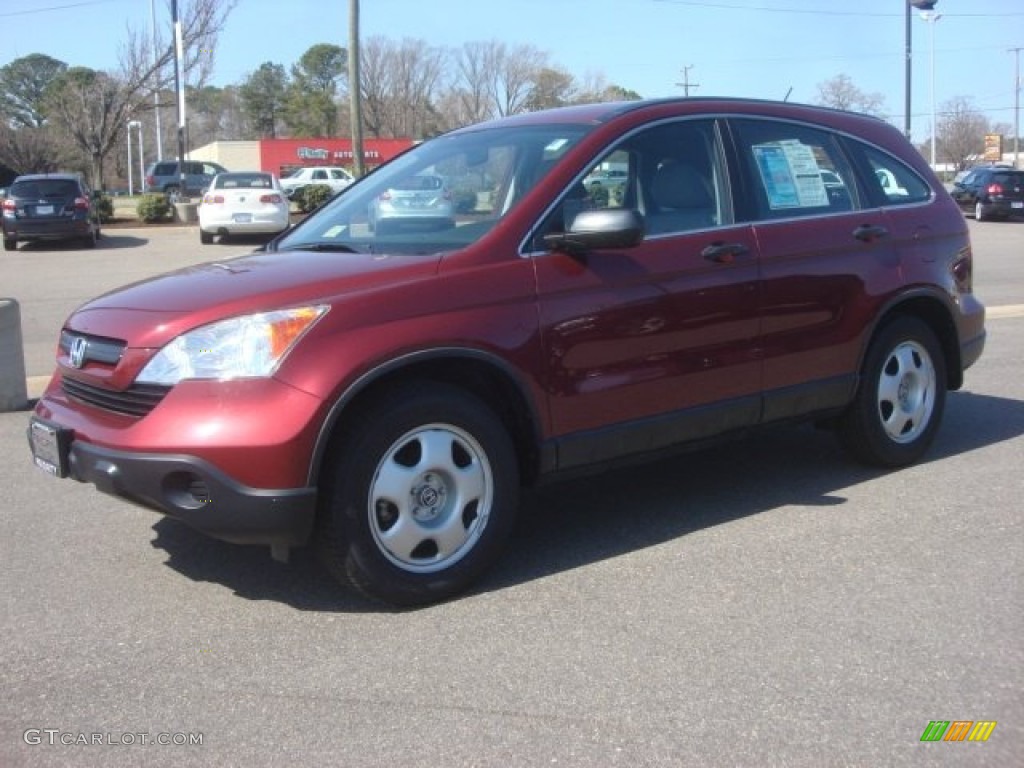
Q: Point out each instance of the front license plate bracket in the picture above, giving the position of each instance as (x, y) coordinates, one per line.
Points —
(50, 446)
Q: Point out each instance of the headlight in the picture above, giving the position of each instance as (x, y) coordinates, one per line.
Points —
(247, 346)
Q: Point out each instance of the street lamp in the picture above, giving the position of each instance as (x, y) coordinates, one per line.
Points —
(921, 5)
(142, 160)
(128, 133)
(931, 17)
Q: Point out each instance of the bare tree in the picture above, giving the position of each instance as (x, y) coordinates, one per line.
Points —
(960, 133)
(400, 82)
(515, 73)
(31, 149)
(469, 97)
(841, 93)
(94, 107)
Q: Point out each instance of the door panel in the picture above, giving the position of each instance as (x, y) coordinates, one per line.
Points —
(641, 333)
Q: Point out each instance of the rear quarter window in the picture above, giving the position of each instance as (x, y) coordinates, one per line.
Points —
(892, 181)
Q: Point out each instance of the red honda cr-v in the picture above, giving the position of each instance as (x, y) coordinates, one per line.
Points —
(387, 393)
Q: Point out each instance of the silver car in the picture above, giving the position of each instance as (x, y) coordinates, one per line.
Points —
(414, 203)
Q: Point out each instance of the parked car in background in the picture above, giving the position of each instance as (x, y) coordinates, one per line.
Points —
(418, 202)
(54, 206)
(334, 177)
(165, 177)
(991, 192)
(243, 204)
(386, 394)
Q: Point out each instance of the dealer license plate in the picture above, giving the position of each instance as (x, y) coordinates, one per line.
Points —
(50, 445)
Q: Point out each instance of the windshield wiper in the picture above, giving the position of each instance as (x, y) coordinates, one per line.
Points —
(327, 247)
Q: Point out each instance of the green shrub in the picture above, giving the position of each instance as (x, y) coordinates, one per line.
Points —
(312, 197)
(104, 207)
(152, 208)
(464, 199)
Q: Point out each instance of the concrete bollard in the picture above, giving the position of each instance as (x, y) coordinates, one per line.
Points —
(13, 395)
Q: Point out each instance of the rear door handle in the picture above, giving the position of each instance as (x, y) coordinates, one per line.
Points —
(724, 253)
(869, 232)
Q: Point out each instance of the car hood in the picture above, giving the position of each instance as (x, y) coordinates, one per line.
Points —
(151, 312)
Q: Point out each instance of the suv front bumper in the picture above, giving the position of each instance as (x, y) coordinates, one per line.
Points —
(193, 491)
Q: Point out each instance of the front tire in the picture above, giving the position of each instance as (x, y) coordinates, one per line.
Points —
(422, 495)
(902, 394)
(205, 237)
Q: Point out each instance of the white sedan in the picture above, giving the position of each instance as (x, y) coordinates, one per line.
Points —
(245, 203)
(334, 177)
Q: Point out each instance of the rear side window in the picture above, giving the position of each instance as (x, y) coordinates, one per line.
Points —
(897, 183)
(793, 170)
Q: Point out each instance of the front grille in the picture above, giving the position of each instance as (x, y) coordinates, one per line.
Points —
(137, 400)
(97, 348)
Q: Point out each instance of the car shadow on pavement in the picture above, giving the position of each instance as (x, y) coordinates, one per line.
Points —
(574, 523)
(107, 242)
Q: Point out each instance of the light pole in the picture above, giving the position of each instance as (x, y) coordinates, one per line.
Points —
(921, 5)
(1016, 107)
(932, 17)
(128, 133)
(142, 158)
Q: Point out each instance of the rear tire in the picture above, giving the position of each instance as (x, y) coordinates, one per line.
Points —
(205, 237)
(979, 212)
(422, 495)
(902, 394)
(10, 244)
(89, 241)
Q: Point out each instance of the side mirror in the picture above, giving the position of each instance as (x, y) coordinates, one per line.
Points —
(603, 228)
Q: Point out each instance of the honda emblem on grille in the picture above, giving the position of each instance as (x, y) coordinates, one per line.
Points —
(78, 349)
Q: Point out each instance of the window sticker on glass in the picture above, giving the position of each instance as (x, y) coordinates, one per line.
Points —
(790, 175)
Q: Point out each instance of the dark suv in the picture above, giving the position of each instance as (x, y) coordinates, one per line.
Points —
(991, 193)
(386, 394)
(54, 206)
(165, 177)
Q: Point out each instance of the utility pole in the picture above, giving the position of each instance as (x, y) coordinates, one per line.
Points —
(354, 95)
(686, 85)
(1016, 107)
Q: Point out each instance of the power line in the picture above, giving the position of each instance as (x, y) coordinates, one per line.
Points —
(34, 11)
(820, 12)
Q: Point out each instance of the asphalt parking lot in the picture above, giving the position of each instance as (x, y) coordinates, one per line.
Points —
(763, 603)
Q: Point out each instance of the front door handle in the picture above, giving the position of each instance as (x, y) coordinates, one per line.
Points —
(724, 253)
(870, 232)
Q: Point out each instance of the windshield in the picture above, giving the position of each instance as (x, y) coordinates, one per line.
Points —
(441, 195)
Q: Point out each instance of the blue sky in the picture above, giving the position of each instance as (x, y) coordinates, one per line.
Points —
(750, 48)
